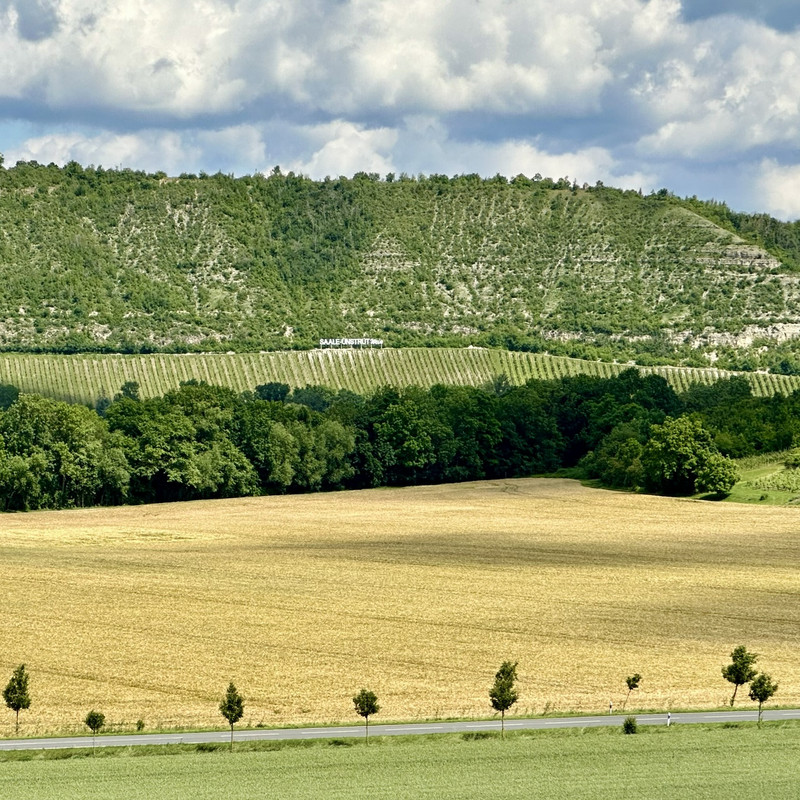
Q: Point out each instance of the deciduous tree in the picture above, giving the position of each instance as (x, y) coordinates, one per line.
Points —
(741, 670)
(761, 689)
(94, 721)
(632, 682)
(503, 694)
(232, 707)
(16, 692)
(366, 704)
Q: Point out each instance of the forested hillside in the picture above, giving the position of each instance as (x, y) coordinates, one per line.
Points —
(121, 261)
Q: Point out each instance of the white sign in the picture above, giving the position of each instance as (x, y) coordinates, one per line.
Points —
(351, 342)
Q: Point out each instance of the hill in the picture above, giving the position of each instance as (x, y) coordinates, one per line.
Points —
(122, 261)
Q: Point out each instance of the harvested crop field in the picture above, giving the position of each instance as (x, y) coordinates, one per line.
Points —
(417, 593)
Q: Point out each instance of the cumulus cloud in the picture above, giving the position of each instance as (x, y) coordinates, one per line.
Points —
(342, 148)
(778, 189)
(180, 58)
(423, 145)
(235, 149)
(738, 96)
(632, 92)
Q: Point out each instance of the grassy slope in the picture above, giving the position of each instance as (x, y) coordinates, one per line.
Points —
(767, 481)
(85, 378)
(689, 761)
(93, 259)
(417, 593)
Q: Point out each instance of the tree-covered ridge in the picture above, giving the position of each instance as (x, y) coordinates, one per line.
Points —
(203, 441)
(123, 261)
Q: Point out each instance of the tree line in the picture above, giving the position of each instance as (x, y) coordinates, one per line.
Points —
(503, 694)
(202, 441)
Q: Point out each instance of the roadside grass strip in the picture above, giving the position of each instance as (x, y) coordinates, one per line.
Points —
(737, 761)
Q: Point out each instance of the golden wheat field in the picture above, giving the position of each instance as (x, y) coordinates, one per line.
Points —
(418, 593)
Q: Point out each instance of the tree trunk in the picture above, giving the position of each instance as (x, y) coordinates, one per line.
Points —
(231, 737)
(17, 725)
(625, 701)
(759, 714)
(502, 724)
(366, 728)
(735, 689)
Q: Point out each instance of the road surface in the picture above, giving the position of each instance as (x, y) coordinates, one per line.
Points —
(351, 731)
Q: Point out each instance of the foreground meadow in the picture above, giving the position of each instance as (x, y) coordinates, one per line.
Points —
(684, 761)
(417, 593)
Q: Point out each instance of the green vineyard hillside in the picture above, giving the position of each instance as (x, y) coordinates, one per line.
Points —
(87, 378)
(105, 261)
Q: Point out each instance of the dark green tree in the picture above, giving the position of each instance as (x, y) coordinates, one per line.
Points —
(632, 682)
(681, 458)
(16, 692)
(503, 695)
(741, 670)
(761, 689)
(366, 704)
(273, 392)
(8, 395)
(94, 721)
(232, 707)
(716, 475)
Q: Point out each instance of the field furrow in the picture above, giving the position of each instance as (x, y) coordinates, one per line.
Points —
(418, 593)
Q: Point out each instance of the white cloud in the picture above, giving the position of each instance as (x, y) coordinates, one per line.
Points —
(215, 56)
(423, 145)
(343, 148)
(778, 189)
(736, 93)
(577, 87)
(240, 148)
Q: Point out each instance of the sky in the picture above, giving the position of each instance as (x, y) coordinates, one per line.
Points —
(701, 97)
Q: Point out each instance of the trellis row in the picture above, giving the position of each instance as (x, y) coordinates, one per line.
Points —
(85, 379)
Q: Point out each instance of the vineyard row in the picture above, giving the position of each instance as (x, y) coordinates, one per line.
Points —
(87, 378)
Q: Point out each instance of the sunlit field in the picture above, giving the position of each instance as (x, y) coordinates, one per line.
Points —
(417, 593)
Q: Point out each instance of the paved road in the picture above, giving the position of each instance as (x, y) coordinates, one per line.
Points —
(350, 731)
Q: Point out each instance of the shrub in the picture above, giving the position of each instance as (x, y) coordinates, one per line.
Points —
(629, 725)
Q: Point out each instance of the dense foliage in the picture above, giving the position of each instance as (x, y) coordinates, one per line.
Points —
(203, 441)
(123, 261)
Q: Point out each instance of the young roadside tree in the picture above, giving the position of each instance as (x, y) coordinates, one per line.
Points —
(761, 689)
(16, 692)
(366, 704)
(232, 707)
(503, 695)
(740, 671)
(94, 721)
(632, 682)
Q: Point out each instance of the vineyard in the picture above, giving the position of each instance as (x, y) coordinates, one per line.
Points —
(87, 378)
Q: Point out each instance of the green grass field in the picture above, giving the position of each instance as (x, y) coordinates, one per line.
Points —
(86, 378)
(765, 480)
(659, 763)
